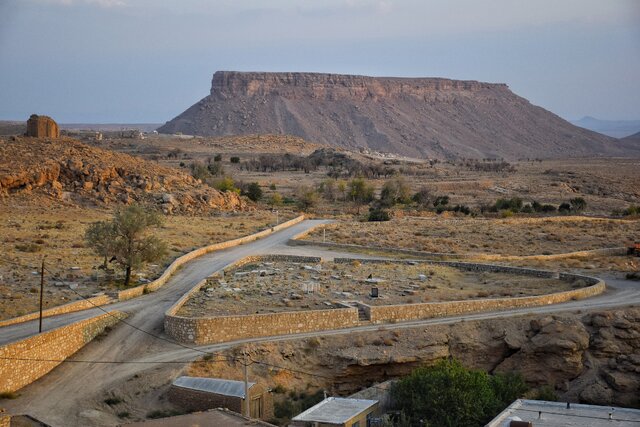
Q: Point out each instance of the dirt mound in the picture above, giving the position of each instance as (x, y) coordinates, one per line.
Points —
(421, 117)
(68, 170)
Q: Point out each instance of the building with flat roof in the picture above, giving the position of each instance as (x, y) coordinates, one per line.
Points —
(540, 413)
(200, 394)
(337, 411)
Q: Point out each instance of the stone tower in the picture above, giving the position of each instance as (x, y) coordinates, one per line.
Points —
(42, 127)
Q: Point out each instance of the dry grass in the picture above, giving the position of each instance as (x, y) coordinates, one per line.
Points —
(512, 236)
(30, 232)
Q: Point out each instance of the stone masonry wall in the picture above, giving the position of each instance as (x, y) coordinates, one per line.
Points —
(211, 330)
(61, 309)
(17, 369)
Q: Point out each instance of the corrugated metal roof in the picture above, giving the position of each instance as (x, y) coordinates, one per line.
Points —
(213, 385)
(335, 410)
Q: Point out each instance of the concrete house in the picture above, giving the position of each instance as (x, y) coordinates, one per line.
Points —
(337, 412)
(200, 394)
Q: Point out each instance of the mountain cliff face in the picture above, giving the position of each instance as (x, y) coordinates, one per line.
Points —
(422, 117)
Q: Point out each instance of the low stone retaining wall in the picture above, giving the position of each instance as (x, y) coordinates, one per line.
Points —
(17, 365)
(82, 304)
(211, 330)
(159, 282)
(295, 241)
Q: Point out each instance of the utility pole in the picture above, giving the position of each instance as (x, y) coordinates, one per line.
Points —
(324, 234)
(247, 402)
(41, 294)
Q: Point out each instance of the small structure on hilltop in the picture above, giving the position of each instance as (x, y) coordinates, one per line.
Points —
(339, 412)
(42, 127)
(200, 394)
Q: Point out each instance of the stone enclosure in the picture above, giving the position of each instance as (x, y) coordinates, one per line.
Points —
(335, 310)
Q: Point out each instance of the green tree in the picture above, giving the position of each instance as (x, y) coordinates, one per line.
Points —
(447, 394)
(307, 197)
(226, 184)
(360, 192)
(422, 197)
(126, 238)
(254, 192)
(276, 199)
(100, 236)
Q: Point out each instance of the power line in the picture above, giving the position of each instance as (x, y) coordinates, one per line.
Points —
(119, 362)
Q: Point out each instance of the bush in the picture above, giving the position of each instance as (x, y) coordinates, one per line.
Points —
(254, 192)
(28, 247)
(422, 197)
(564, 208)
(235, 159)
(578, 204)
(394, 191)
(226, 184)
(217, 158)
(548, 208)
(514, 204)
(448, 394)
(631, 210)
(379, 215)
(441, 201)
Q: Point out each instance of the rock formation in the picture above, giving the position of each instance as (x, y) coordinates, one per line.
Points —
(69, 170)
(42, 127)
(422, 117)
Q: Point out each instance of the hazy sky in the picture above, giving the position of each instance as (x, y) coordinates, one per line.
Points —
(148, 60)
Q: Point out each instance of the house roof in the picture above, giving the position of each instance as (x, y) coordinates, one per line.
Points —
(213, 385)
(556, 414)
(335, 410)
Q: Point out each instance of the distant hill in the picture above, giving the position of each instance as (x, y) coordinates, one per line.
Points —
(633, 138)
(8, 127)
(419, 117)
(614, 128)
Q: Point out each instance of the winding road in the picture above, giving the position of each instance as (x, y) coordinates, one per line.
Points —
(66, 396)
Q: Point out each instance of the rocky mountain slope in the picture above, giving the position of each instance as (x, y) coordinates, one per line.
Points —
(410, 116)
(69, 170)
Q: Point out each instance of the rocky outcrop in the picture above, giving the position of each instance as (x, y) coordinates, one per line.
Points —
(42, 127)
(69, 170)
(591, 358)
(422, 117)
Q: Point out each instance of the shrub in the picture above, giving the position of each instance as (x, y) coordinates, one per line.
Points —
(235, 159)
(379, 215)
(578, 204)
(394, 191)
(564, 208)
(217, 158)
(441, 201)
(254, 192)
(514, 204)
(422, 197)
(226, 184)
(28, 247)
(113, 400)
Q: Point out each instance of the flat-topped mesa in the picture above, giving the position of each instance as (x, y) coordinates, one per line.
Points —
(339, 86)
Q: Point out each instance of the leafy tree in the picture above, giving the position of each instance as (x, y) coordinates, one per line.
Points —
(126, 238)
(307, 197)
(422, 197)
(394, 191)
(100, 236)
(360, 192)
(578, 204)
(447, 394)
(254, 192)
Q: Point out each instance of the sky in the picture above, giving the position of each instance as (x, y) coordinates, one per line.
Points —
(146, 61)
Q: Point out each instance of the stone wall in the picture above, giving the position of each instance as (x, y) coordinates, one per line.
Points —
(212, 330)
(17, 365)
(159, 282)
(71, 307)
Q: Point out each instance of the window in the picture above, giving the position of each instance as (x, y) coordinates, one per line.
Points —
(356, 424)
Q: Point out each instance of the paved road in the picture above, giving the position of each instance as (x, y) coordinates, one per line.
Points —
(68, 395)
